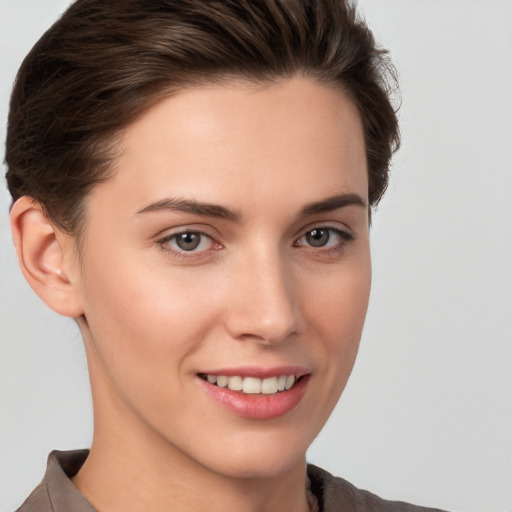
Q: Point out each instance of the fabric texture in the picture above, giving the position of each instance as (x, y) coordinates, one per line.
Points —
(56, 493)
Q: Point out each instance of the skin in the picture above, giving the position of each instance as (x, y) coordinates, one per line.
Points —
(254, 293)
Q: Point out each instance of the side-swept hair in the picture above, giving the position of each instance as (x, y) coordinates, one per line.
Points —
(106, 62)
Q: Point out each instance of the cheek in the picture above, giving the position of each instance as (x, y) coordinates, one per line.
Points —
(341, 301)
(334, 309)
(143, 321)
(337, 311)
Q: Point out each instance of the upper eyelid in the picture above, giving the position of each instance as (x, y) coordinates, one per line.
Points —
(169, 233)
(161, 240)
(173, 236)
(332, 225)
(345, 233)
(182, 231)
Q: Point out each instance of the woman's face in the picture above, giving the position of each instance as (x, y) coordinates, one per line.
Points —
(229, 250)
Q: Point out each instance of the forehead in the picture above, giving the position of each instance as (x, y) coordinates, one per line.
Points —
(236, 142)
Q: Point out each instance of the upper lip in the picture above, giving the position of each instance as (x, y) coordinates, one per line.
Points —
(258, 372)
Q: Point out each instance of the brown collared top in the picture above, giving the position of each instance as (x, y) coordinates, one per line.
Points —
(56, 493)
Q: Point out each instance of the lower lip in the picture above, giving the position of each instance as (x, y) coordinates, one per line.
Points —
(258, 406)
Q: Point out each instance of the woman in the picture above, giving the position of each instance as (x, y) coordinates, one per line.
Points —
(192, 182)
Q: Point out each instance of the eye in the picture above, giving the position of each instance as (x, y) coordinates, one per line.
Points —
(318, 237)
(324, 237)
(188, 241)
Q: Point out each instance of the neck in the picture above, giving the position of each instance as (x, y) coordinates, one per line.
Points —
(119, 477)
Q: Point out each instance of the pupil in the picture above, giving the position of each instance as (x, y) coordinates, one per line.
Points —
(318, 237)
(188, 241)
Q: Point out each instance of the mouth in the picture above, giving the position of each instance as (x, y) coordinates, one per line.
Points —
(252, 385)
(256, 393)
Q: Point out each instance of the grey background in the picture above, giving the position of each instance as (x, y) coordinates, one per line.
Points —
(427, 414)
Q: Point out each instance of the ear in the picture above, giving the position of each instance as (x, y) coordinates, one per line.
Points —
(47, 257)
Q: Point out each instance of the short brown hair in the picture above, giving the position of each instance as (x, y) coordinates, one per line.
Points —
(105, 62)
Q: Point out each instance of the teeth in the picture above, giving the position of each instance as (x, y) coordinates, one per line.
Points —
(235, 383)
(290, 381)
(269, 386)
(253, 385)
(222, 381)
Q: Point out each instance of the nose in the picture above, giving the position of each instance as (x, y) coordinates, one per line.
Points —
(263, 304)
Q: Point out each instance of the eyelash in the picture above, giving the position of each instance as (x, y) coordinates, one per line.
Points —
(165, 243)
(344, 237)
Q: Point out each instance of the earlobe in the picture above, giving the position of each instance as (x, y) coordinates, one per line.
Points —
(44, 257)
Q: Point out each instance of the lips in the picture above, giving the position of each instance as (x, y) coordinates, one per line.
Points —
(256, 394)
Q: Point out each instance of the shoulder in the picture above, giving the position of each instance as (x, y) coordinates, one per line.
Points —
(38, 501)
(56, 493)
(336, 495)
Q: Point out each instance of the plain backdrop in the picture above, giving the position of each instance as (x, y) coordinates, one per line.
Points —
(427, 414)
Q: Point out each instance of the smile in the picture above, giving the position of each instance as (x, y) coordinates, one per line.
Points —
(256, 393)
(252, 385)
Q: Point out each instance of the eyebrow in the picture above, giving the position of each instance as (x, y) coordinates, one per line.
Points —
(333, 203)
(192, 206)
(214, 210)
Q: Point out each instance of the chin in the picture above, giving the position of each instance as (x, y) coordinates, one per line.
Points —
(261, 467)
(260, 455)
